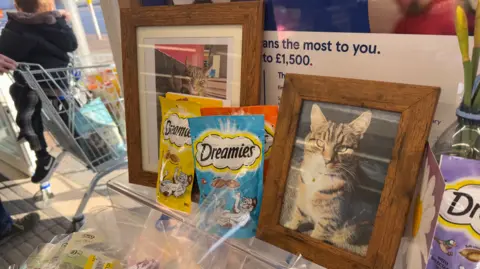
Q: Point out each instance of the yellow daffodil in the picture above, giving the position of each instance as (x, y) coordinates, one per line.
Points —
(461, 27)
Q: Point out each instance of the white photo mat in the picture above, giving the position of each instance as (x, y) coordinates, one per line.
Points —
(147, 38)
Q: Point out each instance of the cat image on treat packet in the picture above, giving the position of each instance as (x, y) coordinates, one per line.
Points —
(269, 112)
(457, 236)
(228, 156)
(175, 165)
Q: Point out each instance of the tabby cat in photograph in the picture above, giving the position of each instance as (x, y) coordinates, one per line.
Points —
(196, 82)
(324, 192)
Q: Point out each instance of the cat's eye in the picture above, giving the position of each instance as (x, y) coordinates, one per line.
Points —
(341, 149)
(319, 143)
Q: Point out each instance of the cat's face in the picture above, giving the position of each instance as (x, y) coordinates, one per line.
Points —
(198, 79)
(248, 204)
(330, 147)
(183, 179)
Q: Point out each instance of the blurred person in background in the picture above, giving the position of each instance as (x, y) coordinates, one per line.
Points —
(432, 17)
(9, 227)
(38, 34)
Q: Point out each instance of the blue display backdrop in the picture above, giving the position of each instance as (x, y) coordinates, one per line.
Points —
(319, 16)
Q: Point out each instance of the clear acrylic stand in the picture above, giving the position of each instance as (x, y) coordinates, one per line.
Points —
(253, 251)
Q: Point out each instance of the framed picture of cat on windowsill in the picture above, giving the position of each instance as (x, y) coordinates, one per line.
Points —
(340, 194)
(197, 65)
(203, 51)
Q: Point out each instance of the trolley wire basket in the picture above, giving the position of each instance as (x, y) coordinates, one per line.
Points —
(84, 112)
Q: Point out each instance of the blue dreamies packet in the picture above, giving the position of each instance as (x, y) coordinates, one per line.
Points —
(228, 157)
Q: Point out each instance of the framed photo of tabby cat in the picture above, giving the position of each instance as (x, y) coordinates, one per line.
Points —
(204, 51)
(347, 154)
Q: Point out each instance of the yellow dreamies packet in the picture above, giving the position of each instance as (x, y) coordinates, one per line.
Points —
(203, 101)
(175, 164)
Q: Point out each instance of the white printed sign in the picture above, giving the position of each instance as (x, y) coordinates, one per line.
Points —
(413, 59)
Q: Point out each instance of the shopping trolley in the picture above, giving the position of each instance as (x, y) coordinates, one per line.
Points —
(84, 112)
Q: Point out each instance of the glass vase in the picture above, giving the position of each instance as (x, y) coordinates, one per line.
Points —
(461, 139)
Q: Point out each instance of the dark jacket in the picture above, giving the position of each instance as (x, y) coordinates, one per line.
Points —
(43, 38)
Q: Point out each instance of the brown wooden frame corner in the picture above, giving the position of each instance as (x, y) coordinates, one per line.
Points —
(248, 14)
(417, 106)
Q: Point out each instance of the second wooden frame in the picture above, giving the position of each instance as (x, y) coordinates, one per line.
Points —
(413, 107)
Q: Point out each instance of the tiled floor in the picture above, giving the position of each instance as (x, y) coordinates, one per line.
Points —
(68, 184)
(17, 201)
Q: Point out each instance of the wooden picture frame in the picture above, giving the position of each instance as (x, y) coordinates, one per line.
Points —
(414, 106)
(247, 15)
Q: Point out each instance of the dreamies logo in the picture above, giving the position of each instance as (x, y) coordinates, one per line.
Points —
(176, 130)
(461, 206)
(218, 151)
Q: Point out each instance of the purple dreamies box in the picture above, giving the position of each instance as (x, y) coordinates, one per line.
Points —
(457, 236)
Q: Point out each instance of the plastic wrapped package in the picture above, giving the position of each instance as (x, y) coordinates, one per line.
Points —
(228, 156)
(47, 256)
(90, 248)
(97, 245)
(155, 242)
(457, 236)
(108, 235)
(83, 250)
(226, 252)
(110, 222)
(270, 114)
(173, 244)
(44, 257)
(168, 243)
(173, 241)
(175, 165)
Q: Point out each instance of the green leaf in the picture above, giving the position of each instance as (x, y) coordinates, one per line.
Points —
(476, 101)
(475, 58)
(467, 95)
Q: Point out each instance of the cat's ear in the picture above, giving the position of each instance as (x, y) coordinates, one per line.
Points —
(360, 124)
(317, 118)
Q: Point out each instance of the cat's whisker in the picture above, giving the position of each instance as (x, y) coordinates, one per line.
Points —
(348, 171)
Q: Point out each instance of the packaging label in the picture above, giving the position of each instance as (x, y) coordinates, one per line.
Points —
(270, 114)
(175, 165)
(228, 155)
(219, 152)
(462, 207)
(176, 130)
(457, 237)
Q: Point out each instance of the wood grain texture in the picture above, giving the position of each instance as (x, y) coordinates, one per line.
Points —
(247, 14)
(417, 106)
(124, 3)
